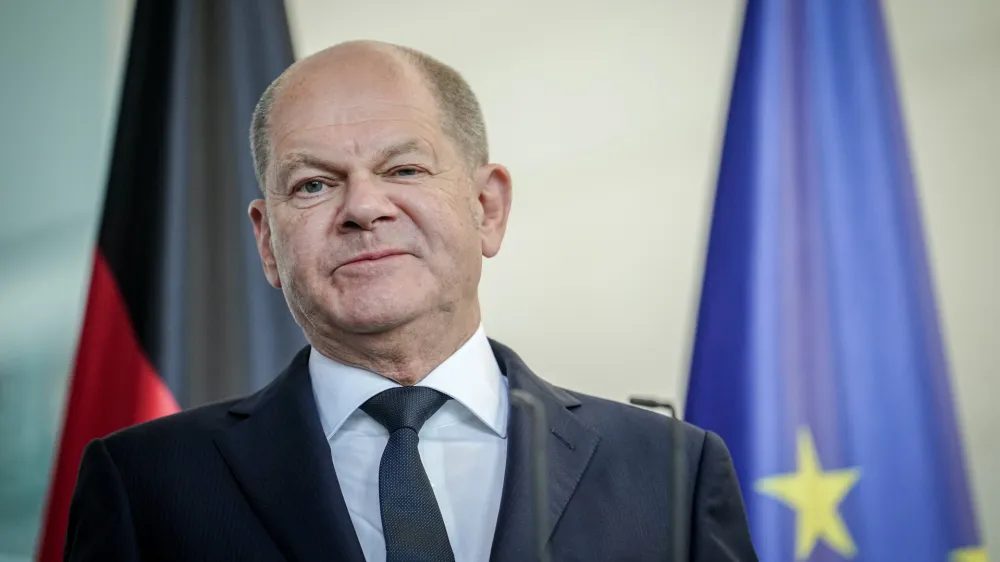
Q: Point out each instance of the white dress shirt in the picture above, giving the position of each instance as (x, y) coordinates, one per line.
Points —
(463, 446)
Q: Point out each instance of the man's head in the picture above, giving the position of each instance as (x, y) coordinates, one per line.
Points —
(461, 117)
(379, 203)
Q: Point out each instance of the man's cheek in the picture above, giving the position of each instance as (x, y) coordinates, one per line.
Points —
(288, 254)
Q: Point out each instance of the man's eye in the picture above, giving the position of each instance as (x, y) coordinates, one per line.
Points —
(405, 172)
(312, 186)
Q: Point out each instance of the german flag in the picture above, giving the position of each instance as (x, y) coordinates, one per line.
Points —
(178, 312)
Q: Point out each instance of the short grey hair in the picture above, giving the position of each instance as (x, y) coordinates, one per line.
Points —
(460, 113)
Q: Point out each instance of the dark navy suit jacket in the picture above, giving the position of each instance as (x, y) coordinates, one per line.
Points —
(253, 480)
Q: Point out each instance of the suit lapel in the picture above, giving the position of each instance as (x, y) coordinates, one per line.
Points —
(281, 459)
(568, 449)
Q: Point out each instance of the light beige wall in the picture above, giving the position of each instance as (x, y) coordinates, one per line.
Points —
(948, 66)
(609, 116)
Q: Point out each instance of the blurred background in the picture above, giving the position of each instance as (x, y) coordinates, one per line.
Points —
(610, 117)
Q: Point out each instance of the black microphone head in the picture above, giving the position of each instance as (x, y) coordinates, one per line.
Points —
(653, 403)
(645, 402)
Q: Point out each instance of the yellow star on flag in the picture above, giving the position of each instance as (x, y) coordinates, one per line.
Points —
(814, 495)
(971, 554)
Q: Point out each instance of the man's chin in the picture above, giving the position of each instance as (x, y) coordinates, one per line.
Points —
(370, 322)
(370, 328)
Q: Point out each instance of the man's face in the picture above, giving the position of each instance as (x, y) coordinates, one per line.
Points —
(372, 219)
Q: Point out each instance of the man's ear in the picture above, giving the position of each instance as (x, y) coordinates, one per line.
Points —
(494, 199)
(262, 233)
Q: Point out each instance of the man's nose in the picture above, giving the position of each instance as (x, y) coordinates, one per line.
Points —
(365, 204)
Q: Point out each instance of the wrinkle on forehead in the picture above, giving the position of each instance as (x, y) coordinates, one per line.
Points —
(339, 144)
(355, 116)
(377, 152)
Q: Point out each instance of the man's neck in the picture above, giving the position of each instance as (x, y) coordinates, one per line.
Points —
(405, 354)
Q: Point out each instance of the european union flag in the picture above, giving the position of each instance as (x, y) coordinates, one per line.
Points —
(817, 354)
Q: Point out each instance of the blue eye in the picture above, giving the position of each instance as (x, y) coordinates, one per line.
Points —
(405, 172)
(312, 186)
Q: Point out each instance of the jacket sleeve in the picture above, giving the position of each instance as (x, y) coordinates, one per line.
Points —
(100, 523)
(719, 529)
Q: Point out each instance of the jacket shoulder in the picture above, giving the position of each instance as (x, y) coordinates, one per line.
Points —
(192, 424)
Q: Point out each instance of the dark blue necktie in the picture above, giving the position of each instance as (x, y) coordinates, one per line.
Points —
(411, 520)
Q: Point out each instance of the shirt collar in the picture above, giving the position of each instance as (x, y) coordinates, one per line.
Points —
(471, 376)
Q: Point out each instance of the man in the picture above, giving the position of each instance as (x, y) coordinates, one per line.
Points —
(392, 436)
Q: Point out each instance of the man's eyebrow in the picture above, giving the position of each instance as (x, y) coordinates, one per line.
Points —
(406, 147)
(296, 160)
(293, 161)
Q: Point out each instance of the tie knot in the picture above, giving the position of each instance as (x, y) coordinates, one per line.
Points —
(407, 406)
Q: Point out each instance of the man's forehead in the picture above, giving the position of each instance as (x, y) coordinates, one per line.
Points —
(356, 78)
(355, 130)
(383, 57)
(331, 111)
(383, 149)
(349, 104)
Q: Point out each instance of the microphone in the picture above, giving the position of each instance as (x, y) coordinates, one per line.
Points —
(653, 403)
(539, 466)
(679, 516)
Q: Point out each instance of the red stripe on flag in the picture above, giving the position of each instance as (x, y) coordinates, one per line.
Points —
(113, 386)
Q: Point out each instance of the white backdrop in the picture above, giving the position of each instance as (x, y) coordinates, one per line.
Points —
(610, 115)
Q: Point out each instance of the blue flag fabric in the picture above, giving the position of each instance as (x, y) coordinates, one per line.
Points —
(818, 356)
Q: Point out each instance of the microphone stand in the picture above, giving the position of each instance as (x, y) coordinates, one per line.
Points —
(679, 517)
(539, 466)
